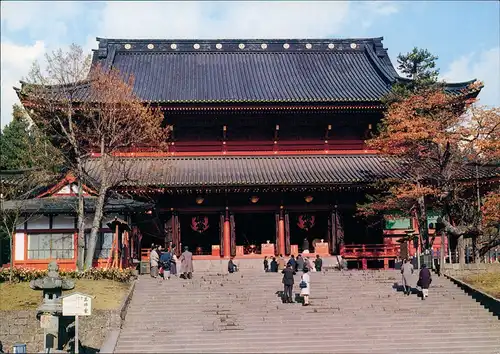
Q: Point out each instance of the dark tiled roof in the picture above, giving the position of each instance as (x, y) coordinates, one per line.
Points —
(246, 71)
(223, 171)
(69, 205)
(235, 171)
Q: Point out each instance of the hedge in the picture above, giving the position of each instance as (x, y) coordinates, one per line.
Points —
(21, 274)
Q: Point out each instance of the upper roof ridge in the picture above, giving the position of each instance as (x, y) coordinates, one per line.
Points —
(239, 45)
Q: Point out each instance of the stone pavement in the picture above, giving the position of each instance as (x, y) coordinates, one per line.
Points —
(350, 312)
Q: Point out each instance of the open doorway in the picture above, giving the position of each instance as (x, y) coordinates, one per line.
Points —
(200, 232)
(254, 229)
(312, 226)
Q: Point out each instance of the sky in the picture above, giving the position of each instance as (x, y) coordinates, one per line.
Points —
(464, 35)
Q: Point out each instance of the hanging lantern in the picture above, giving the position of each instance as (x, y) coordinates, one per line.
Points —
(306, 222)
(199, 224)
(254, 199)
(200, 200)
(308, 198)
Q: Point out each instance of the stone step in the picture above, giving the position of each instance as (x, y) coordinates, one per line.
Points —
(358, 312)
(235, 334)
(303, 345)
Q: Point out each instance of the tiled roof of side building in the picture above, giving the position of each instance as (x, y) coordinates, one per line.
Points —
(252, 71)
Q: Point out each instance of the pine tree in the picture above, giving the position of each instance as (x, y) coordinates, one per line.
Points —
(419, 67)
(24, 147)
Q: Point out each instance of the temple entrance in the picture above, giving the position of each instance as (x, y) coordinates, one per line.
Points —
(254, 229)
(200, 232)
(312, 226)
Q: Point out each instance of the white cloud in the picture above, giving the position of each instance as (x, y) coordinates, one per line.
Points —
(483, 66)
(47, 20)
(16, 62)
(223, 20)
(382, 7)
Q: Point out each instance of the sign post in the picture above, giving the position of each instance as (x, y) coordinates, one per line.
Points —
(77, 304)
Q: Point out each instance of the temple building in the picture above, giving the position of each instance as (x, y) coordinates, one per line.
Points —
(266, 154)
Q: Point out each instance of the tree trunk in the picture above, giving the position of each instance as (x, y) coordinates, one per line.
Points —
(80, 224)
(422, 223)
(11, 246)
(442, 251)
(461, 250)
(98, 213)
(476, 249)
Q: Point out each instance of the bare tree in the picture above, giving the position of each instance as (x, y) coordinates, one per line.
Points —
(90, 111)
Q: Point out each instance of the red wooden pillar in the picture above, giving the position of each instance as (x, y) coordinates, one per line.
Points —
(281, 233)
(364, 262)
(227, 235)
(386, 263)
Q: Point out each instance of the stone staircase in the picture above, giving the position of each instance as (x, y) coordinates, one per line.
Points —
(350, 312)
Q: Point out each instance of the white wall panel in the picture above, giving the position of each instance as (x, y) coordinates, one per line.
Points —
(19, 246)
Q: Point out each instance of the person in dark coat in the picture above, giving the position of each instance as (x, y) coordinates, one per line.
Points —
(288, 281)
(231, 266)
(274, 266)
(318, 263)
(424, 280)
(165, 260)
(266, 264)
(292, 262)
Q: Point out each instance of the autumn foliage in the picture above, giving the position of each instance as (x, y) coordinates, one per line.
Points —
(441, 140)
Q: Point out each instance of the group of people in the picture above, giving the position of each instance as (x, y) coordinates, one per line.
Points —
(293, 266)
(424, 278)
(164, 263)
(298, 264)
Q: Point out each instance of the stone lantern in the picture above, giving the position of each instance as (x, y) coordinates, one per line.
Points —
(50, 311)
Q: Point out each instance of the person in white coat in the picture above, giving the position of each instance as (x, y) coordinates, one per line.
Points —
(305, 286)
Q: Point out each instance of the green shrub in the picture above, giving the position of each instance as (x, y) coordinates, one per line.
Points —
(22, 274)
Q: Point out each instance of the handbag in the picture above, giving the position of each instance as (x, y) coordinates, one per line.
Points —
(303, 285)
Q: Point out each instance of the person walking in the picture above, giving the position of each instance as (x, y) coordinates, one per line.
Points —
(305, 286)
(186, 263)
(309, 265)
(173, 261)
(274, 266)
(292, 262)
(407, 271)
(318, 263)
(424, 280)
(300, 264)
(154, 258)
(288, 281)
(165, 262)
(266, 264)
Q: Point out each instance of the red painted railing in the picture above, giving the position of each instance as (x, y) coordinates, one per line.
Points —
(369, 251)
